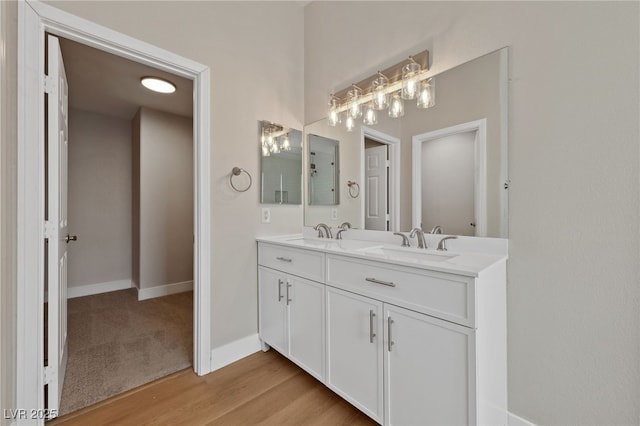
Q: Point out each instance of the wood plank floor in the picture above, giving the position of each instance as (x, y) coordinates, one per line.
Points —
(264, 388)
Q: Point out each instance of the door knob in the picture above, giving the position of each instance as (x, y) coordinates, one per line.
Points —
(71, 238)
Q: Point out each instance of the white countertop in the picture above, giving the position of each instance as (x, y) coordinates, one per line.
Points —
(470, 263)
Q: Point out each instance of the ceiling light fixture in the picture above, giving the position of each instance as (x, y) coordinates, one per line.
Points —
(274, 138)
(405, 80)
(158, 84)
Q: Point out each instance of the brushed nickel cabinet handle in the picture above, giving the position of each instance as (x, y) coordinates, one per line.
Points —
(70, 238)
(371, 333)
(391, 342)
(387, 283)
(284, 259)
(288, 287)
(279, 289)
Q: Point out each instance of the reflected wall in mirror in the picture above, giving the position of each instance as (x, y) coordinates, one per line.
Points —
(281, 178)
(468, 93)
(324, 171)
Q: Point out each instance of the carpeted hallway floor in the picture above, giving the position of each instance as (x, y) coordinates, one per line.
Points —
(117, 343)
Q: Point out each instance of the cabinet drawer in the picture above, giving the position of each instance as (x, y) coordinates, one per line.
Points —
(303, 263)
(447, 296)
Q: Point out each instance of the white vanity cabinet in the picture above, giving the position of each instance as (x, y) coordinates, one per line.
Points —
(406, 343)
(429, 369)
(292, 312)
(355, 350)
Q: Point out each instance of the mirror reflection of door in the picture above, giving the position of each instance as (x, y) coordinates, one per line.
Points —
(448, 189)
(376, 185)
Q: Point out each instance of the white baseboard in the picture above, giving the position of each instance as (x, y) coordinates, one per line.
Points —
(232, 352)
(513, 420)
(164, 290)
(88, 290)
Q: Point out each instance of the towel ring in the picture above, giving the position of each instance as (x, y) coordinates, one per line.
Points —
(236, 172)
(353, 186)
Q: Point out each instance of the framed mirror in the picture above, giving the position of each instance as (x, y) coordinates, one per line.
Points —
(281, 164)
(421, 182)
(324, 171)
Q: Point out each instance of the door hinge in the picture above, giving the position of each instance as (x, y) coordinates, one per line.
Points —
(48, 375)
(506, 184)
(49, 84)
(388, 163)
(48, 229)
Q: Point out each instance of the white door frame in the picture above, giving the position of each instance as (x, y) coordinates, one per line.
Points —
(394, 174)
(34, 19)
(480, 172)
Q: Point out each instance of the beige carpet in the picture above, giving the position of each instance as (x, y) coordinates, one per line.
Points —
(117, 343)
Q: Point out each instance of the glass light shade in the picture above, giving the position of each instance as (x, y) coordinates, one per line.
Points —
(370, 115)
(270, 140)
(353, 97)
(334, 115)
(379, 90)
(350, 123)
(157, 84)
(410, 80)
(396, 109)
(275, 148)
(426, 95)
(265, 151)
(286, 144)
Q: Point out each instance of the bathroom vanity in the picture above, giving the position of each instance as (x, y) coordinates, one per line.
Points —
(408, 336)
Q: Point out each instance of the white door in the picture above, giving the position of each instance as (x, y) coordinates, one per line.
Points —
(306, 325)
(56, 226)
(430, 370)
(272, 308)
(354, 350)
(376, 178)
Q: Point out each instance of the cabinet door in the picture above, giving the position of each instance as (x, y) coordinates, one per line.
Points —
(306, 325)
(430, 370)
(272, 308)
(354, 350)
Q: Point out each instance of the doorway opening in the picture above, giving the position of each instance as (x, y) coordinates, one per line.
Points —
(129, 173)
(35, 19)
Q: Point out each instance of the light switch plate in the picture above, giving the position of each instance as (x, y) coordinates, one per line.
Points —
(334, 214)
(266, 215)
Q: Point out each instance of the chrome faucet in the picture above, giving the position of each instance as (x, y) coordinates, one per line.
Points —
(436, 230)
(339, 233)
(405, 240)
(442, 246)
(345, 225)
(323, 231)
(417, 232)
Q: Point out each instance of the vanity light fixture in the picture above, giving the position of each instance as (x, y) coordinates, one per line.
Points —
(274, 139)
(410, 74)
(388, 88)
(396, 108)
(354, 95)
(157, 84)
(379, 90)
(370, 115)
(426, 94)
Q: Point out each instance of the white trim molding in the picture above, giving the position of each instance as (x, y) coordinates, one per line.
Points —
(513, 420)
(34, 20)
(164, 290)
(234, 351)
(394, 177)
(480, 172)
(98, 288)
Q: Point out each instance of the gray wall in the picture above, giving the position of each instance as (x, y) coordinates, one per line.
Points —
(236, 40)
(163, 150)
(99, 198)
(573, 272)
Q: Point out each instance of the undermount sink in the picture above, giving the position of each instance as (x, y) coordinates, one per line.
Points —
(409, 254)
(335, 244)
